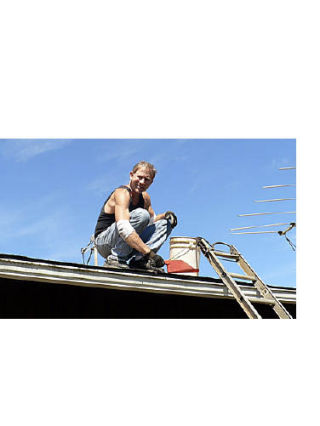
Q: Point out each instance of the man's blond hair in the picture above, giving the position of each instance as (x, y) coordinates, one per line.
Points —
(146, 165)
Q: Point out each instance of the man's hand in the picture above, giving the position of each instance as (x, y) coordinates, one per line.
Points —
(172, 218)
(155, 259)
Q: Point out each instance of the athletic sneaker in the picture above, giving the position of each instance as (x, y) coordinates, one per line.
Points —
(118, 264)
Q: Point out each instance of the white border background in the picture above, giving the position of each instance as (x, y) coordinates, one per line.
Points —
(147, 69)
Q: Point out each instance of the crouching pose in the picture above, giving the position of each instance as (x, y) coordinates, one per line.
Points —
(128, 233)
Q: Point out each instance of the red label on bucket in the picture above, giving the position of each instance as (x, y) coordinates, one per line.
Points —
(179, 266)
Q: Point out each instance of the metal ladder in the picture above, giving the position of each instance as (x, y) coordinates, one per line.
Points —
(227, 278)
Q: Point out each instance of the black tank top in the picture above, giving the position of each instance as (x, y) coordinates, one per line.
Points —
(106, 219)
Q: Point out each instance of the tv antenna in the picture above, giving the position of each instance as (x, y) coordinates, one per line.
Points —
(279, 232)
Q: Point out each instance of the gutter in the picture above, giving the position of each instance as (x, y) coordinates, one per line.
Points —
(53, 272)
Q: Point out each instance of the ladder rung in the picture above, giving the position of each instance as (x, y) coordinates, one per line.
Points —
(227, 255)
(262, 301)
(243, 277)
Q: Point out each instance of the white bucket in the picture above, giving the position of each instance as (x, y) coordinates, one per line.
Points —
(187, 250)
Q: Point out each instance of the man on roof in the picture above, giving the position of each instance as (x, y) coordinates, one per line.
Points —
(128, 232)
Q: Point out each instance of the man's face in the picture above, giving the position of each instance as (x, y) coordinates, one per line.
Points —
(140, 180)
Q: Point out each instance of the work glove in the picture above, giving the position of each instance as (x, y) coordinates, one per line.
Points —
(155, 260)
(172, 218)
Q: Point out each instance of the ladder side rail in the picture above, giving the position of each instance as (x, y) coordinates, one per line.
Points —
(262, 288)
(240, 297)
(278, 307)
(234, 288)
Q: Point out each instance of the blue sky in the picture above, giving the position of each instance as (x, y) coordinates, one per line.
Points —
(52, 192)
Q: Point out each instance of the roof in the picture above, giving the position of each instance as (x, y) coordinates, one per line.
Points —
(53, 272)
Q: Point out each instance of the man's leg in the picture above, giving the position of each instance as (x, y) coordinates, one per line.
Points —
(109, 243)
(154, 236)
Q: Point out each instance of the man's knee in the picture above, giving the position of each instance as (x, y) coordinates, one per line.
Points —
(140, 216)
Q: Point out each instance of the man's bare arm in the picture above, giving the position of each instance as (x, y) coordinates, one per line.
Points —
(167, 215)
(150, 209)
(122, 201)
